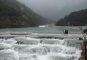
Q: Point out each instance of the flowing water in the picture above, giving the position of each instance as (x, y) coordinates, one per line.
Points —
(27, 48)
(38, 49)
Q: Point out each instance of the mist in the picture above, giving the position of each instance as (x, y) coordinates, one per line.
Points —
(55, 9)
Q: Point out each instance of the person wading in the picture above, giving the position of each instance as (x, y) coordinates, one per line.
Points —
(65, 31)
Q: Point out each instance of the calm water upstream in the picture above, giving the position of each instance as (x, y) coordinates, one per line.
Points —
(40, 30)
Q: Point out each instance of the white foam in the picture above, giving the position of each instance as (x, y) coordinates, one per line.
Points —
(9, 41)
(9, 55)
(5, 46)
(24, 40)
(39, 49)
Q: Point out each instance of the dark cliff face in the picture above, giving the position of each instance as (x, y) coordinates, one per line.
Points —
(14, 14)
(78, 18)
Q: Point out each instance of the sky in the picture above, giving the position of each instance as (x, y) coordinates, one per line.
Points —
(55, 9)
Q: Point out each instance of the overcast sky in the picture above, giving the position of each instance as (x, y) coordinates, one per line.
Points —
(55, 9)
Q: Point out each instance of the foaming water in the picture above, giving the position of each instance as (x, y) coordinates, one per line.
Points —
(26, 48)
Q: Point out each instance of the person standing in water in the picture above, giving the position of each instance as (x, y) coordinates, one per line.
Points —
(65, 31)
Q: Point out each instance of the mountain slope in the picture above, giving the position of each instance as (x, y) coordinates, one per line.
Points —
(14, 14)
(78, 18)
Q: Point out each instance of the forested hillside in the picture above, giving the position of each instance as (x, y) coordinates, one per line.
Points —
(14, 14)
(77, 18)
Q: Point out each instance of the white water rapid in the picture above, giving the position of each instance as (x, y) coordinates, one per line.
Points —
(26, 48)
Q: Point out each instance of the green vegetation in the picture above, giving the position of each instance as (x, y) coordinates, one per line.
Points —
(78, 18)
(14, 14)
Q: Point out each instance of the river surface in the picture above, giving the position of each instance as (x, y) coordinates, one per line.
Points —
(41, 30)
(30, 48)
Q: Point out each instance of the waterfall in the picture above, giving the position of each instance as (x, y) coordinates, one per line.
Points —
(26, 48)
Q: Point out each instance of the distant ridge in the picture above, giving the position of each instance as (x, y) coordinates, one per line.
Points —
(77, 18)
(14, 14)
